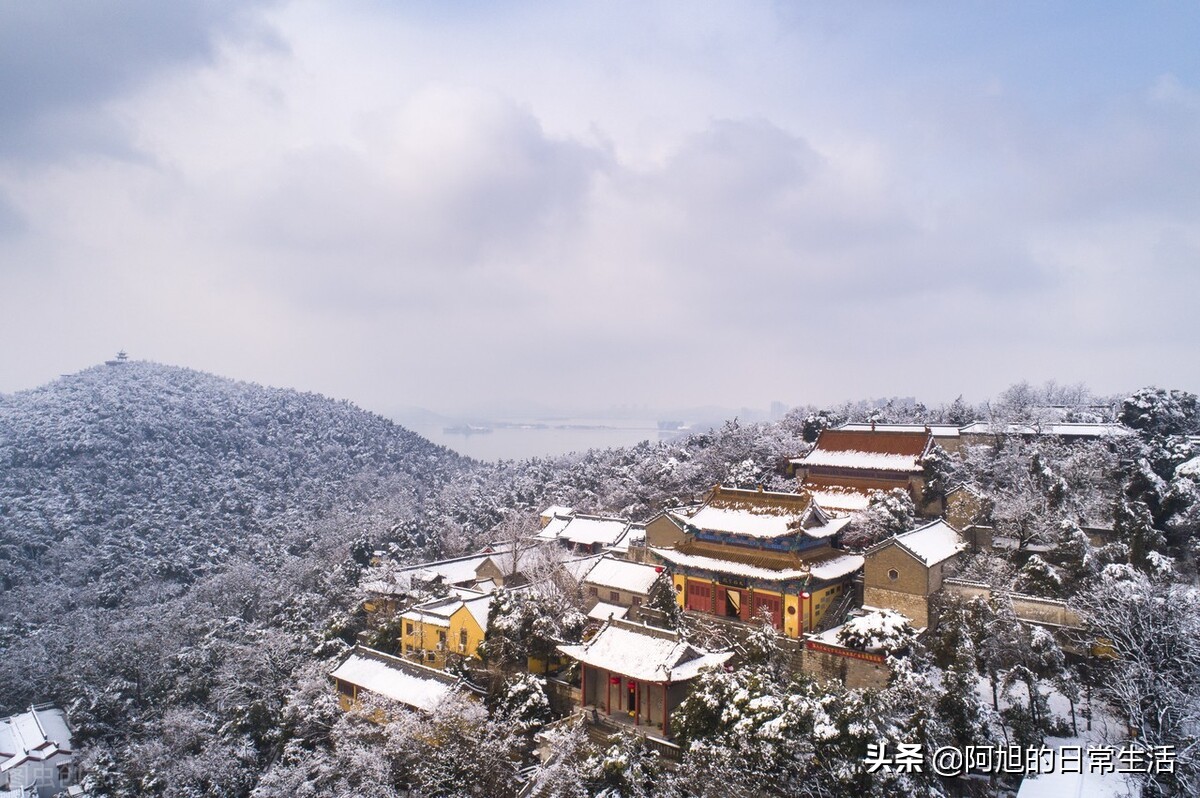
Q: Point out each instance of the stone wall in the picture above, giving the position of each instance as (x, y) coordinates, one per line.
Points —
(1031, 609)
(915, 607)
(856, 670)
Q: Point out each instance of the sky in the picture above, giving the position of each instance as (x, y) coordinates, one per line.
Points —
(473, 206)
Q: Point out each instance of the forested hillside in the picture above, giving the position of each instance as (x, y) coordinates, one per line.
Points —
(180, 557)
(120, 474)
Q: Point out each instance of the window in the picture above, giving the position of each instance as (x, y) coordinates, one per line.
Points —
(593, 591)
(408, 628)
(893, 574)
(462, 640)
(637, 601)
(614, 595)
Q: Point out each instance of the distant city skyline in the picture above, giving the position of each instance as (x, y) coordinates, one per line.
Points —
(728, 204)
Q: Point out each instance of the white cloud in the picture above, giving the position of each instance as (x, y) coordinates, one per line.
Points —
(591, 206)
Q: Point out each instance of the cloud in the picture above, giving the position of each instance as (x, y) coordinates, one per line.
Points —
(60, 62)
(598, 206)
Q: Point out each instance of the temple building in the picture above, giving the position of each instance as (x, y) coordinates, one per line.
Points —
(453, 626)
(583, 534)
(902, 572)
(948, 436)
(748, 554)
(37, 759)
(366, 671)
(846, 466)
(638, 673)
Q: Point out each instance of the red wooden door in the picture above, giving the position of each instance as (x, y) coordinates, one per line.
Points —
(773, 605)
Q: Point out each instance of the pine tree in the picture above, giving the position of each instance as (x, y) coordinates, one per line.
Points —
(1039, 578)
(1135, 528)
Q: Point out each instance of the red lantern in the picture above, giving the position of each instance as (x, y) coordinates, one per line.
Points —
(614, 679)
(658, 569)
(806, 595)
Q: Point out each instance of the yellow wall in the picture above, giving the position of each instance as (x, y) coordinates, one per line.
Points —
(791, 615)
(679, 582)
(424, 638)
(823, 599)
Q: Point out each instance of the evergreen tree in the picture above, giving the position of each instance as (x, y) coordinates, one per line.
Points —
(1135, 528)
(1039, 578)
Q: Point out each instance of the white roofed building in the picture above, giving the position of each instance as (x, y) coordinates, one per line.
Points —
(454, 626)
(985, 433)
(639, 672)
(584, 534)
(36, 754)
(902, 572)
(620, 582)
(366, 670)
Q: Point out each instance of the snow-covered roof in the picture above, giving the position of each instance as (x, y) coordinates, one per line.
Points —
(758, 514)
(586, 530)
(36, 734)
(937, 430)
(863, 460)
(745, 521)
(509, 562)
(967, 488)
(827, 569)
(842, 499)
(391, 677)
(644, 653)
(603, 611)
(632, 577)
(836, 567)
(438, 612)
(454, 571)
(555, 510)
(579, 566)
(933, 543)
(1107, 429)
(635, 531)
(479, 609)
(870, 450)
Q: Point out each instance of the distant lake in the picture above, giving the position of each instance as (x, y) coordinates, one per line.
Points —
(519, 439)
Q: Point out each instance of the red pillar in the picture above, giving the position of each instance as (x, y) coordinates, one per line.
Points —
(637, 703)
(608, 695)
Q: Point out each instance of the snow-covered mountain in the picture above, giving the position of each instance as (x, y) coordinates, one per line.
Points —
(139, 470)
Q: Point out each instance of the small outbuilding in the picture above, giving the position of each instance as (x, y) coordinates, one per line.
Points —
(639, 672)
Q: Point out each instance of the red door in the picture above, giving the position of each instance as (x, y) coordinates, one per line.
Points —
(699, 596)
(773, 605)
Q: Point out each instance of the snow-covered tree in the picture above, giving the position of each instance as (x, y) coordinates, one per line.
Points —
(1039, 578)
(888, 513)
(1155, 411)
(883, 631)
(522, 702)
